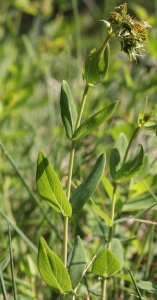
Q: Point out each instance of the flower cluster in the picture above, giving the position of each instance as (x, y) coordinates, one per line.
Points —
(131, 33)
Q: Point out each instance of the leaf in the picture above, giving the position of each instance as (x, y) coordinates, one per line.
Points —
(95, 121)
(123, 276)
(106, 264)
(101, 229)
(95, 67)
(117, 249)
(49, 187)
(142, 114)
(52, 270)
(131, 167)
(76, 262)
(100, 212)
(147, 286)
(140, 187)
(114, 161)
(145, 202)
(118, 153)
(123, 126)
(85, 190)
(97, 209)
(68, 109)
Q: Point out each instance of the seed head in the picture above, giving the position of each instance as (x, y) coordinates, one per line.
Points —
(131, 33)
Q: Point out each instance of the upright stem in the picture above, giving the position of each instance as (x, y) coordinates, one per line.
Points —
(103, 292)
(101, 51)
(112, 216)
(72, 153)
(110, 34)
(115, 187)
(113, 208)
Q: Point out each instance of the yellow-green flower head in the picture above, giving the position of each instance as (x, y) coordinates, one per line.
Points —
(131, 33)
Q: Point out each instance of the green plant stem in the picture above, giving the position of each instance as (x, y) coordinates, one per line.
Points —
(112, 216)
(115, 187)
(109, 36)
(113, 206)
(103, 291)
(101, 51)
(72, 153)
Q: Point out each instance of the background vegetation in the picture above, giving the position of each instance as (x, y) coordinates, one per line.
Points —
(41, 43)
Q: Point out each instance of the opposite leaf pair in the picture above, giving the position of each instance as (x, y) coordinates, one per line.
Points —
(64, 280)
(70, 117)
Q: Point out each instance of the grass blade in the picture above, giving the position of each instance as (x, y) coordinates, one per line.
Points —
(35, 198)
(12, 264)
(3, 286)
(135, 285)
(21, 234)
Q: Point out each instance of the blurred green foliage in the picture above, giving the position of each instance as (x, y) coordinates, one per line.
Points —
(43, 42)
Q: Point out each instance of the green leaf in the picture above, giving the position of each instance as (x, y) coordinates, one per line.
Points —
(131, 167)
(117, 249)
(145, 202)
(140, 187)
(95, 121)
(76, 262)
(118, 153)
(106, 264)
(147, 286)
(49, 187)
(123, 276)
(52, 270)
(100, 212)
(150, 127)
(85, 190)
(123, 126)
(101, 229)
(142, 114)
(97, 209)
(144, 119)
(96, 67)
(68, 109)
